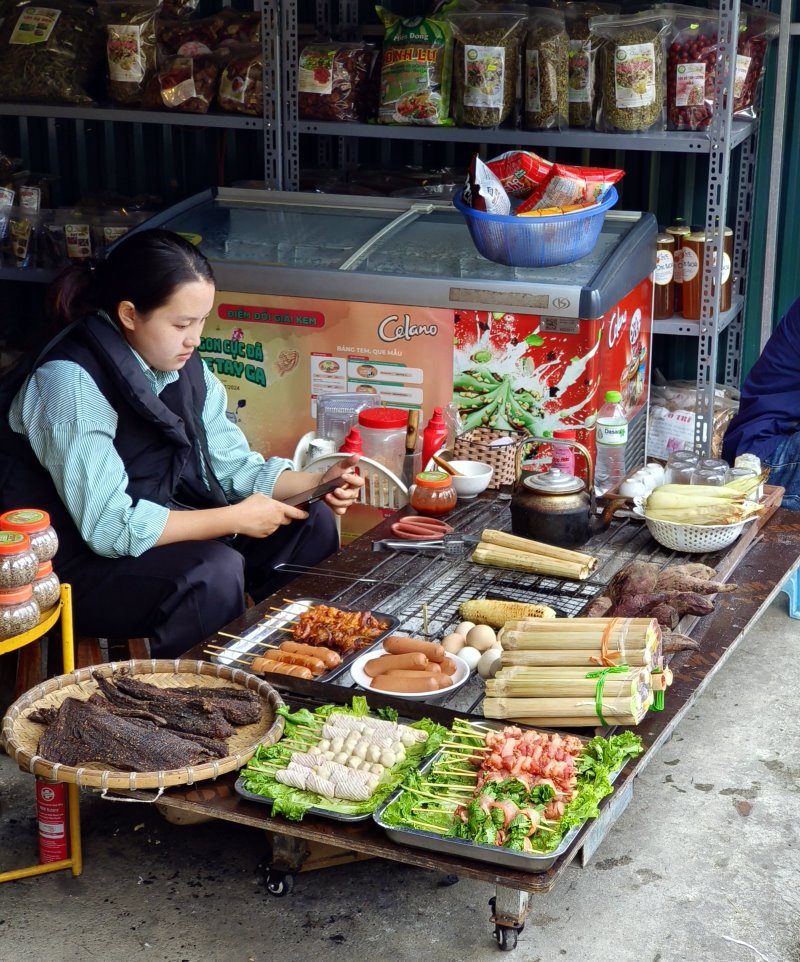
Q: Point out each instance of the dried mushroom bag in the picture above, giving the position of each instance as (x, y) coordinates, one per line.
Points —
(130, 47)
(633, 94)
(416, 70)
(50, 53)
(546, 71)
(756, 29)
(486, 55)
(241, 82)
(334, 81)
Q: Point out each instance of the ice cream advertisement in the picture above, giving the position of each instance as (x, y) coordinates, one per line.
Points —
(276, 356)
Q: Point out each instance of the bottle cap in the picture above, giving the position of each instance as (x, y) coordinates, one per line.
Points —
(433, 479)
(44, 569)
(12, 542)
(25, 519)
(437, 417)
(383, 419)
(613, 396)
(569, 435)
(352, 443)
(13, 596)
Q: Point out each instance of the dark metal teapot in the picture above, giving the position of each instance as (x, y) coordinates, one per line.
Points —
(554, 507)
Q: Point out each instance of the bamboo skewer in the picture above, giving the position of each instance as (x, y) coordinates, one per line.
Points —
(238, 661)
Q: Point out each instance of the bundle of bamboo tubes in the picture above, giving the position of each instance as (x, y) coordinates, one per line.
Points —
(503, 550)
(577, 672)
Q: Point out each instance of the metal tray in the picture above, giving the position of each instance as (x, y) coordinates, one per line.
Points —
(269, 630)
(521, 861)
(327, 813)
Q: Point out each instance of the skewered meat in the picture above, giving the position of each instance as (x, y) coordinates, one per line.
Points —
(345, 631)
(84, 732)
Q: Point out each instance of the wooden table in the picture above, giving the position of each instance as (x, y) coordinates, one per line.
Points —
(762, 561)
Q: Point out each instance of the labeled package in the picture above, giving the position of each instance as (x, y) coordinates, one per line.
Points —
(416, 70)
(50, 53)
(483, 190)
(21, 234)
(487, 47)
(334, 81)
(568, 186)
(186, 83)
(208, 33)
(546, 71)
(633, 81)
(241, 82)
(520, 171)
(691, 67)
(130, 47)
(583, 59)
(756, 29)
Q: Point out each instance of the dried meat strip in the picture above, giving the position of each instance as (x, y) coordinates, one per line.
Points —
(236, 710)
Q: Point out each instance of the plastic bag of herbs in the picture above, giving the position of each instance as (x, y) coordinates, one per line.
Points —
(584, 60)
(633, 74)
(416, 70)
(50, 54)
(130, 27)
(488, 43)
(546, 71)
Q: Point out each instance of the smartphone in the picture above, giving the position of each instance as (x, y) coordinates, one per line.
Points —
(305, 498)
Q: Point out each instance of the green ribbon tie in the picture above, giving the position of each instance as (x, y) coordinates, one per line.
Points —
(658, 696)
(601, 683)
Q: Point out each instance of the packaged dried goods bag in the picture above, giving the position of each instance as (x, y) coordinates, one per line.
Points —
(241, 82)
(52, 54)
(186, 82)
(546, 71)
(222, 29)
(416, 70)
(633, 60)
(483, 190)
(21, 234)
(486, 54)
(520, 171)
(567, 186)
(334, 81)
(756, 29)
(130, 47)
(583, 59)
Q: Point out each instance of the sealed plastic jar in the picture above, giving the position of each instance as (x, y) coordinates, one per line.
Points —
(46, 586)
(18, 563)
(36, 525)
(433, 493)
(19, 611)
(383, 436)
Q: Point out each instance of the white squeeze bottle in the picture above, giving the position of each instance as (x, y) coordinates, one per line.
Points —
(611, 436)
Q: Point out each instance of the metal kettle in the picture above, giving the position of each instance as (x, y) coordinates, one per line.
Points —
(554, 507)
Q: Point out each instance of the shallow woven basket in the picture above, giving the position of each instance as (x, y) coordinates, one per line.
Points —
(20, 737)
(474, 446)
(695, 538)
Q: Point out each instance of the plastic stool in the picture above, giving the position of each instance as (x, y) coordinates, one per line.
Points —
(792, 588)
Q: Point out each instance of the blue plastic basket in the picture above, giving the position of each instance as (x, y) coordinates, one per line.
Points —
(536, 241)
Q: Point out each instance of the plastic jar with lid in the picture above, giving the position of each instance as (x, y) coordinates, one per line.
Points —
(36, 525)
(46, 586)
(433, 493)
(19, 611)
(383, 436)
(18, 563)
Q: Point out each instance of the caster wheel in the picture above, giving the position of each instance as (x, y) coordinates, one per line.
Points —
(506, 938)
(279, 883)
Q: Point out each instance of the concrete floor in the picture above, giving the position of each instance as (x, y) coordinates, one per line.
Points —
(702, 866)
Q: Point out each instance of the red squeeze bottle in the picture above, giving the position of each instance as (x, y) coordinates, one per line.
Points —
(434, 437)
(352, 443)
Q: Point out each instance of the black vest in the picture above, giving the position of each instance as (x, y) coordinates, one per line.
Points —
(160, 439)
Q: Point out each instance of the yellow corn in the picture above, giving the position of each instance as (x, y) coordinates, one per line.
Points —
(485, 611)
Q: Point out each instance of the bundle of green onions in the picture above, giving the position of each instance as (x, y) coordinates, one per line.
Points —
(704, 503)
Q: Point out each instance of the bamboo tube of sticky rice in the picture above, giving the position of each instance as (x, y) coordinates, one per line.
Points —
(522, 682)
(505, 540)
(627, 634)
(615, 711)
(590, 658)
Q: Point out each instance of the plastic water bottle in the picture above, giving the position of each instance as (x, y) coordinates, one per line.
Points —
(611, 437)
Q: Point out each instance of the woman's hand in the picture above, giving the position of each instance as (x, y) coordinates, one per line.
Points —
(340, 499)
(260, 516)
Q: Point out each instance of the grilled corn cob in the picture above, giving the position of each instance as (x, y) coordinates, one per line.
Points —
(485, 611)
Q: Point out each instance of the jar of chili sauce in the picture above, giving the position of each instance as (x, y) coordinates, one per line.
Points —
(433, 493)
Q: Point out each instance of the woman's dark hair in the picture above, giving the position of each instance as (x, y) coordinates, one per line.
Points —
(145, 268)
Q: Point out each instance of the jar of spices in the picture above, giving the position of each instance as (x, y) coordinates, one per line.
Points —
(663, 278)
(383, 436)
(46, 586)
(36, 525)
(18, 563)
(433, 493)
(19, 611)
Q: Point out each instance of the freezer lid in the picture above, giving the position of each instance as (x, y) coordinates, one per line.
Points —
(368, 248)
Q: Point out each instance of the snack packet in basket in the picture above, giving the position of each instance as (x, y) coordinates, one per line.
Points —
(520, 171)
(571, 185)
(483, 191)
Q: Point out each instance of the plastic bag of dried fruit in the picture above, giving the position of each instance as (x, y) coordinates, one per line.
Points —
(222, 29)
(546, 71)
(633, 84)
(756, 29)
(488, 43)
(130, 46)
(187, 82)
(334, 81)
(691, 67)
(241, 83)
(416, 70)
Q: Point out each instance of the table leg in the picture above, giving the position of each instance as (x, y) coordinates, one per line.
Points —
(509, 908)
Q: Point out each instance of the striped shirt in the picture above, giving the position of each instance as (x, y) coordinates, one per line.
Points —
(70, 426)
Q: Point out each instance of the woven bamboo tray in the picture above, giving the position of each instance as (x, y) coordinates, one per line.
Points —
(20, 737)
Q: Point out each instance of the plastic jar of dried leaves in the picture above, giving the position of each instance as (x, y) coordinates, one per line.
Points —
(46, 586)
(19, 611)
(18, 563)
(36, 525)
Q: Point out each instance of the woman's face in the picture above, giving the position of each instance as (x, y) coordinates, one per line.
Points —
(167, 336)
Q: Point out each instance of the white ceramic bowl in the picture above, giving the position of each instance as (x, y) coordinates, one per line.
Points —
(475, 478)
(362, 679)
